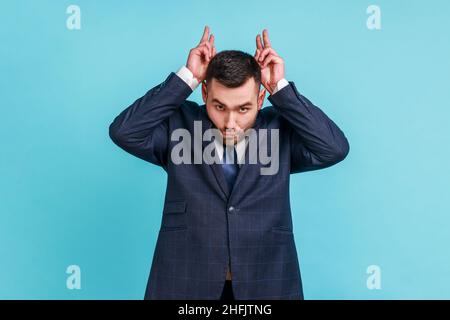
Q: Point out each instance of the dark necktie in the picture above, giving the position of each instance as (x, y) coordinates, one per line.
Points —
(229, 165)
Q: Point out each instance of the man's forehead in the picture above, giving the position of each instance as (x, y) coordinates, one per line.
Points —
(223, 94)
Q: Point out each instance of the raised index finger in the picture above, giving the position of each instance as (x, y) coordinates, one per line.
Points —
(258, 42)
(266, 38)
(205, 34)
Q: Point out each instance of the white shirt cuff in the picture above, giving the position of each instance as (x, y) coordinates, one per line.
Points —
(186, 75)
(280, 85)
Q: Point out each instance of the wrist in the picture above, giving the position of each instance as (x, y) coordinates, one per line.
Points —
(186, 74)
(272, 88)
(279, 85)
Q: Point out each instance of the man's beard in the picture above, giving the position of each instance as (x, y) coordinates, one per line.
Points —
(232, 136)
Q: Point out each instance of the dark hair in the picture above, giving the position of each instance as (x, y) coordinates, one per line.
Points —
(233, 68)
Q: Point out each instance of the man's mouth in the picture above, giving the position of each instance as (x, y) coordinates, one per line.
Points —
(228, 133)
(232, 134)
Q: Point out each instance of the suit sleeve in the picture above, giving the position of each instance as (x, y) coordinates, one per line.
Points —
(316, 141)
(142, 128)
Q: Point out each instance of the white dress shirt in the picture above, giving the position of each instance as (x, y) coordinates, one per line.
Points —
(186, 75)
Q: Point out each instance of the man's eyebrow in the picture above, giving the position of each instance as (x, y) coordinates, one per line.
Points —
(248, 103)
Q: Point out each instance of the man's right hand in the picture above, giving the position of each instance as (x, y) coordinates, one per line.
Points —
(200, 56)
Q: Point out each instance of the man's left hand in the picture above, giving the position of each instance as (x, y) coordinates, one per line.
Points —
(272, 65)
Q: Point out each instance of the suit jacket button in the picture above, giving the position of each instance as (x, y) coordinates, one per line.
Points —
(231, 209)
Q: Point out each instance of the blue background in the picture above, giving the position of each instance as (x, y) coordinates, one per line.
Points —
(68, 195)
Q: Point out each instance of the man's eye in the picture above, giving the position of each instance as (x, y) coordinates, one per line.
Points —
(218, 107)
(243, 109)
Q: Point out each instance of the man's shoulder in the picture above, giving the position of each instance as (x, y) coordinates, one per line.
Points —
(190, 106)
(187, 112)
(192, 109)
(269, 117)
(269, 113)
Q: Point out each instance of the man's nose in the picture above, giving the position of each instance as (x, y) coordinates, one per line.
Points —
(230, 121)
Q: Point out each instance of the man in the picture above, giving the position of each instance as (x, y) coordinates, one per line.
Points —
(226, 229)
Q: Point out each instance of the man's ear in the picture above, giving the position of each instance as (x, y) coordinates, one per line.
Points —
(261, 95)
(204, 91)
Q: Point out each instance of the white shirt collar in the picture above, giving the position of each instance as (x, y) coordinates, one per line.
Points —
(240, 149)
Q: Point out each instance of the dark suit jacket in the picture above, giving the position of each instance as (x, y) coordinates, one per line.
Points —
(204, 226)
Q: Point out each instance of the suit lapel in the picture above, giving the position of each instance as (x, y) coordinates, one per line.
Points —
(216, 167)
